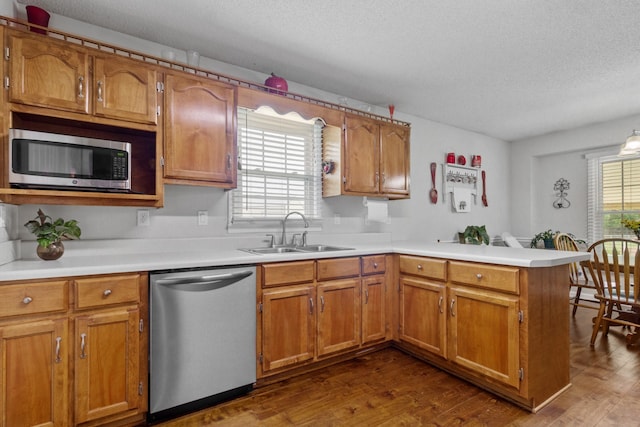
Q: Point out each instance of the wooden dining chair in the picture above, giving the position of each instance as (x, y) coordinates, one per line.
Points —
(577, 281)
(614, 264)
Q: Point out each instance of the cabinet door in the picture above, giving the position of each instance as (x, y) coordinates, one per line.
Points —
(107, 363)
(33, 374)
(423, 314)
(200, 131)
(479, 317)
(124, 89)
(47, 73)
(394, 165)
(374, 321)
(288, 326)
(338, 315)
(361, 155)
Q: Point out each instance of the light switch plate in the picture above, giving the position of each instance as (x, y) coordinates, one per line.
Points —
(144, 218)
(203, 217)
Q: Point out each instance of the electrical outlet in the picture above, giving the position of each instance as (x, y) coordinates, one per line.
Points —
(144, 218)
(203, 217)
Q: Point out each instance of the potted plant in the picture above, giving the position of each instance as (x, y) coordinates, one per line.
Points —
(475, 235)
(50, 233)
(633, 225)
(544, 236)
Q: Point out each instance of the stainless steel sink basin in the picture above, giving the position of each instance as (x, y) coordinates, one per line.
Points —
(299, 249)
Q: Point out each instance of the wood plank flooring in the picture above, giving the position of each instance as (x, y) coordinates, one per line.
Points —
(390, 388)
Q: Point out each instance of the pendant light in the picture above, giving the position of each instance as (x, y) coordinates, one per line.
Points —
(631, 145)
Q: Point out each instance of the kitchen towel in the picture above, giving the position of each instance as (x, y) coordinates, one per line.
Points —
(461, 199)
(377, 210)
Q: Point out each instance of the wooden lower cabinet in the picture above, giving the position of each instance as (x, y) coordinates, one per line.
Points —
(288, 326)
(106, 361)
(503, 328)
(34, 377)
(338, 315)
(74, 351)
(374, 308)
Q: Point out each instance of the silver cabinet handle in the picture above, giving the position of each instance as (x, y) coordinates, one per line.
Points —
(375, 265)
(99, 91)
(419, 267)
(106, 292)
(82, 345)
(453, 313)
(58, 340)
(440, 309)
(310, 305)
(366, 296)
(479, 276)
(27, 300)
(80, 87)
(321, 304)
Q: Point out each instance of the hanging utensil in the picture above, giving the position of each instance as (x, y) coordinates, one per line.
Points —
(484, 188)
(433, 194)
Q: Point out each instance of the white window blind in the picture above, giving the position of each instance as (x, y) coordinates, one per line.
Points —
(614, 193)
(279, 168)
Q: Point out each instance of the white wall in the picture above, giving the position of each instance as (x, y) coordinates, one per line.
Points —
(414, 218)
(539, 162)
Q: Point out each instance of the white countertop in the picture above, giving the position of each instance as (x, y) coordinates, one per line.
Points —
(165, 254)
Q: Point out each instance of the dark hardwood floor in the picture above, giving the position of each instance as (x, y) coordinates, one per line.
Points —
(390, 388)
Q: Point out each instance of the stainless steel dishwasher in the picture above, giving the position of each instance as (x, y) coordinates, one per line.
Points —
(203, 338)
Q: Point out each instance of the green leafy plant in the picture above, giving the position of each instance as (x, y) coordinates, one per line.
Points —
(633, 225)
(543, 236)
(476, 234)
(48, 231)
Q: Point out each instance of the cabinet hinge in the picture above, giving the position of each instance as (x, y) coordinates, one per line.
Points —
(162, 161)
(521, 374)
(260, 358)
(158, 111)
(259, 307)
(6, 53)
(141, 326)
(344, 179)
(6, 82)
(520, 316)
(159, 87)
(140, 388)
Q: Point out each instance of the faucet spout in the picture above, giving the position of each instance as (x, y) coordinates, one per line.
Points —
(284, 225)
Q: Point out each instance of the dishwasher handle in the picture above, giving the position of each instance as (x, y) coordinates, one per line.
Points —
(203, 283)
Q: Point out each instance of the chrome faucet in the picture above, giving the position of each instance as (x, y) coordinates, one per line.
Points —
(284, 225)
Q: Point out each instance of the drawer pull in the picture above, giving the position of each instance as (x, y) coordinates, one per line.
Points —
(321, 304)
(366, 296)
(375, 265)
(83, 355)
(310, 305)
(106, 292)
(453, 313)
(27, 300)
(479, 276)
(420, 267)
(58, 359)
(440, 309)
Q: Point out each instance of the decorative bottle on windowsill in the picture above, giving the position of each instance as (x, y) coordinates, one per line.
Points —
(50, 234)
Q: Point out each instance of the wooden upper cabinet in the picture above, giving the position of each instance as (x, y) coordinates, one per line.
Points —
(394, 162)
(48, 73)
(200, 132)
(361, 155)
(125, 89)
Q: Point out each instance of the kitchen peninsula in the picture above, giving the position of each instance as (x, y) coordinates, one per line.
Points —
(495, 316)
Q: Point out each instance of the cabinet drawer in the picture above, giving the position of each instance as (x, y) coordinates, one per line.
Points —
(287, 273)
(31, 298)
(108, 290)
(499, 278)
(424, 267)
(339, 267)
(373, 264)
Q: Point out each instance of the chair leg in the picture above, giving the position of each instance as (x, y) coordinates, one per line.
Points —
(609, 315)
(576, 300)
(596, 324)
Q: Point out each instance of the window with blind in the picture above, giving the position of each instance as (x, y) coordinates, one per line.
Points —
(279, 168)
(614, 194)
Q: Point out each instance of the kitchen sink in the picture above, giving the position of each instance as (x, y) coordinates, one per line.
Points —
(298, 249)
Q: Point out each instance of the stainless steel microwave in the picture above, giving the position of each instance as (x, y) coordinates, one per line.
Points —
(56, 161)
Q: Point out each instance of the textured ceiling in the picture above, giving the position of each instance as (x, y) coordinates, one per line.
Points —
(506, 68)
